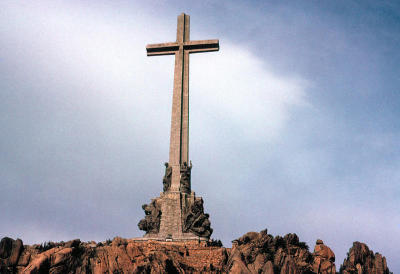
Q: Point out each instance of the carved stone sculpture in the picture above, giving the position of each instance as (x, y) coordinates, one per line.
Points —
(185, 177)
(167, 177)
(151, 222)
(196, 221)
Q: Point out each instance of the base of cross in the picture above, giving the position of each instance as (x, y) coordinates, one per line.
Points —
(175, 216)
(184, 238)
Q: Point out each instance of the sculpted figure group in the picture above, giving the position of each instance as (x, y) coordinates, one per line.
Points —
(151, 222)
(194, 219)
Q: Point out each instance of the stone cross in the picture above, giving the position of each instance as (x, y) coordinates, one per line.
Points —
(179, 140)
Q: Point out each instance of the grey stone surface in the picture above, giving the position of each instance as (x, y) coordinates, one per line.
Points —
(167, 177)
(178, 214)
(186, 171)
(151, 222)
(196, 221)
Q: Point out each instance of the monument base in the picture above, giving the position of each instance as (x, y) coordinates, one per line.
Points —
(175, 216)
(181, 239)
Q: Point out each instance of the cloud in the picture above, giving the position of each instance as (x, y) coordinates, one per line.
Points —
(236, 87)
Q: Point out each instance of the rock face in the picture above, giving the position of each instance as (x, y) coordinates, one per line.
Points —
(362, 260)
(262, 253)
(117, 256)
(10, 251)
(252, 253)
(324, 259)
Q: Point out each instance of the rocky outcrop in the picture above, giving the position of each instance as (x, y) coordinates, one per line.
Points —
(117, 256)
(362, 260)
(262, 253)
(324, 259)
(254, 252)
(10, 251)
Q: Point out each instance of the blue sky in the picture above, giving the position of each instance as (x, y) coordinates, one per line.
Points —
(294, 123)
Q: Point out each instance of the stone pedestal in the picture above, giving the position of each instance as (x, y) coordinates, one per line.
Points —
(176, 216)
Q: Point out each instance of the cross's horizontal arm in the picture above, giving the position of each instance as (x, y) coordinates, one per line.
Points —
(191, 46)
(162, 49)
(202, 45)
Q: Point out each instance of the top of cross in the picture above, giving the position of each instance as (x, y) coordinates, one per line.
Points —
(183, 40)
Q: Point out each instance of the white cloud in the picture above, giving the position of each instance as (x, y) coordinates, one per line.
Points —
(241, 90)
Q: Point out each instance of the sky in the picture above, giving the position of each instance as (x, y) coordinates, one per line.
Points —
(294, 123)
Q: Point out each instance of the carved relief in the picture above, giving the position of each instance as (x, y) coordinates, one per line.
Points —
(196, 221)
(167, 177)
(185, 177)
(151, 222)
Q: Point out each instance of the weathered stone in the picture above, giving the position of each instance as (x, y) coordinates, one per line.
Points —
(167, 177)
(118, 241)
(262, 253)
(196, 221)
(6, 247)
(252, 253)
(324, 259)
(73, 243)
(268, 268)
(291, 238)
(10, 251)
(24, 259)
(151, 222)
(185, 177)
(360, 259)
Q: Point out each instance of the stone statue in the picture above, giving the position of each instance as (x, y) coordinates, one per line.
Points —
(185, 177)
(196, 221)
(151, 222)
(167, 177)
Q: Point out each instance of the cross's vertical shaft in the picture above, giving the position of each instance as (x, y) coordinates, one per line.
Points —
(179, 150)
(179, 142)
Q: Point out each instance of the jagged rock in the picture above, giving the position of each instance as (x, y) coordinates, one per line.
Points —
(73, 243)
(10, 251)
(254, 252)
(151, 222)
(362, 260)
(196, 221)
(121, 256)
(262, 253)
(324, 259)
